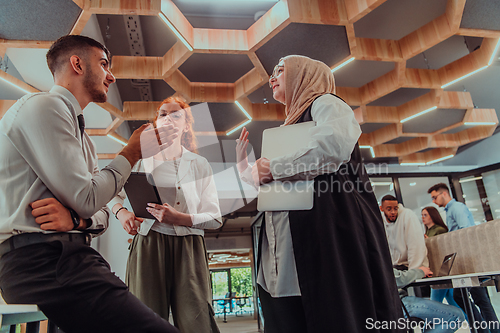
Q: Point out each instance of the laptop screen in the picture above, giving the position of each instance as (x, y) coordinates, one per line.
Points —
(447, 264)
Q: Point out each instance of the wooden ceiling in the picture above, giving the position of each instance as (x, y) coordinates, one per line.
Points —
(423, 147)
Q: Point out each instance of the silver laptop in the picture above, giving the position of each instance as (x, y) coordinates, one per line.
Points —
(294, 195)
(447, 264)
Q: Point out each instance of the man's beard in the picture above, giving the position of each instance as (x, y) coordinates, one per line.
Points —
(389, 220)
(90, 81)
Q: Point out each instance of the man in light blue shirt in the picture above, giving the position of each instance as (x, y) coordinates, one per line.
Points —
(458, 215)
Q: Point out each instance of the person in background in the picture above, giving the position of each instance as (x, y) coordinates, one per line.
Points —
(327, 268)
(458, 216)
(434, 226)
(404, 235)
(442, 318)
(167, 267)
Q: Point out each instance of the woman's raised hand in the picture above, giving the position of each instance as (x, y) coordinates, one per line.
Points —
(241, 151)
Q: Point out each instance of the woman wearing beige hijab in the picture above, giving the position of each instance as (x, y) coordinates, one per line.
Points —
(327, 269)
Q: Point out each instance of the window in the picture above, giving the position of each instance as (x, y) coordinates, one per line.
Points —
(491, 182)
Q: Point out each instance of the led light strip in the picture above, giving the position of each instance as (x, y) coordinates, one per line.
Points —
(15, 85)
(412, 163)
(371, 149)
(494, 53)
(418, 114)
(463, 77)
(246, 122)
(440, 159)
(175, 31)
(343, 64)
(111, 136)
(238, 127)
(381, 183)
(242, 109)
(480, 123)
(469, 179)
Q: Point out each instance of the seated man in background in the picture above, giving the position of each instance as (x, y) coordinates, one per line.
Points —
(437, 317)
(404, 235)
(458, 216)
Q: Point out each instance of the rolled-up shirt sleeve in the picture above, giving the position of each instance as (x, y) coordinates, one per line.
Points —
(332, 141)
(48, 141)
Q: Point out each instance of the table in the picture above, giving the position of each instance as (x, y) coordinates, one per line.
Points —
(462, 282)
(227, 300)
(12, 314)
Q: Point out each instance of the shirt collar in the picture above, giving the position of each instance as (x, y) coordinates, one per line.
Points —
(448, 205)
(66, 93)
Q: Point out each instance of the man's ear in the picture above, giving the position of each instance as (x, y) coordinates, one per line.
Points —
(76, 64)
(381, 209)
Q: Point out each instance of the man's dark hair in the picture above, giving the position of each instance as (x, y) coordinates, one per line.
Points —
(437, 187)
(389, 197)
(69, 45)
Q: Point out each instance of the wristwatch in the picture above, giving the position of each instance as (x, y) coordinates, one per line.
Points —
(75, 218)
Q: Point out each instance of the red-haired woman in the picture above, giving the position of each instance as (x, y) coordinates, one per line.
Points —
(167, 268)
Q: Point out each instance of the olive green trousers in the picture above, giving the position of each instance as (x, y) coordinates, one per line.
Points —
(171, 273)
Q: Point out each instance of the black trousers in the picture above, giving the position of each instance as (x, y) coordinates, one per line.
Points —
(483, 302)
(283, 314)
(74, 287)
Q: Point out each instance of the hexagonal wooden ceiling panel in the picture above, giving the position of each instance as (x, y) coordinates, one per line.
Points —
(399, 58)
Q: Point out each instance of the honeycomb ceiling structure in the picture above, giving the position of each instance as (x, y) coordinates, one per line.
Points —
(396, 63)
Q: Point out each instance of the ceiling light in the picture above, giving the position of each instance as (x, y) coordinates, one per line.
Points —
(463, 77)
(15, 85)
(469, 179)
(114, 137)
(175, 31)
(440, 159)
(473, 209)
(494, 53)
(391, 187)
(242, 109)
(371, 149)
(497, 210)
(238, 127)
(418, 114)
(412, 163)
(413, 184)
(343, 64)
(381, 183)
(480, 123)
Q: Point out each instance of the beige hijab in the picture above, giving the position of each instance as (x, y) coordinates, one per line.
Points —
(305, 80)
